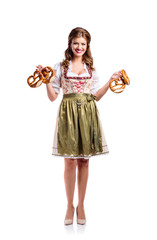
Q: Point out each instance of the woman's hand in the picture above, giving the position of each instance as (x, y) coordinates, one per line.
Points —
(40, 67)
(116, 75)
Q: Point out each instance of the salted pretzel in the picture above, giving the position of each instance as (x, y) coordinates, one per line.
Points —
(118, 85)
(46, 75)
(35, 80)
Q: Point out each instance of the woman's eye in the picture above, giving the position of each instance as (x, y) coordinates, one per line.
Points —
(77, 43)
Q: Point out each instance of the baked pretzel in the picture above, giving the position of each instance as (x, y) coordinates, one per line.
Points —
(118, 85)
(36, 79)
(125, 77)
(46, 75)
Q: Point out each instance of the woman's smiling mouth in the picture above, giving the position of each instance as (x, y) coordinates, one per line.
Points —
(79, 51)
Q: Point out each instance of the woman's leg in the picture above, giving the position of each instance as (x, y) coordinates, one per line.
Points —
(82, 177)
(70, 179)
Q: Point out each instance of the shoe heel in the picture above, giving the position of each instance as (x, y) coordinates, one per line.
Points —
(80, 221)
(69, 221)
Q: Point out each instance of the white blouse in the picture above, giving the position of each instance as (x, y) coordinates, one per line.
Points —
(56, 84)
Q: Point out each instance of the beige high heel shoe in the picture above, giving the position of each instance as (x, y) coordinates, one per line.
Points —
(69, 221)
(80, 221)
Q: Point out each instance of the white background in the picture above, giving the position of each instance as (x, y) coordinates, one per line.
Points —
(121, 194)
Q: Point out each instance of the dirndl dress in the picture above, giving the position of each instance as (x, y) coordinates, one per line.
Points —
(78, 132)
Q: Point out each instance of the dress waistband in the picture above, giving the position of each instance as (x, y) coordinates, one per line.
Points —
(89, 96)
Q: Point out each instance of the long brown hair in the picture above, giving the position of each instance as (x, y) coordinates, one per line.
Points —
(87, 57)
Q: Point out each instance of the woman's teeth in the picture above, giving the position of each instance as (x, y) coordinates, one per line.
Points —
(78, 51)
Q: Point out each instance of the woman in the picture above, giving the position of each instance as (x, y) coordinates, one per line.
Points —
(78, 134)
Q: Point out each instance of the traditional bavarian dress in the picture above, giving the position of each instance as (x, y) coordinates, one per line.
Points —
(78, 132)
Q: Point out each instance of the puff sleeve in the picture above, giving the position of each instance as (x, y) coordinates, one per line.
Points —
(56, 84)
(95, 86)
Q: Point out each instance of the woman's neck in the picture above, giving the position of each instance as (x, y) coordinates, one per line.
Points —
(77, 60)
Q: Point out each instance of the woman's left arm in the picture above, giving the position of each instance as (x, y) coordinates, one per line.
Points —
(100, 93)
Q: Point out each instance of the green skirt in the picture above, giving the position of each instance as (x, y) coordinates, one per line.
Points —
(78, 132)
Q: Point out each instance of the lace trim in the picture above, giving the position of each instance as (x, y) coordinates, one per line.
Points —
(80, 78)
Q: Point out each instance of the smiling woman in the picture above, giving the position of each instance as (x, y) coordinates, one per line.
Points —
(78, 134)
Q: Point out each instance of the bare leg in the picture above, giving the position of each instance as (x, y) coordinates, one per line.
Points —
(82, 177)
(70, 179)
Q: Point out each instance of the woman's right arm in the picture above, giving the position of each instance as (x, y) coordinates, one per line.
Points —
(52, 95)
(53, 88)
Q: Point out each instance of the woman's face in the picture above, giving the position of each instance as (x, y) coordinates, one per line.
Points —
(79, 46)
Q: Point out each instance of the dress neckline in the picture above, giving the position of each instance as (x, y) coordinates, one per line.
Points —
(79, 75)
(88, 70)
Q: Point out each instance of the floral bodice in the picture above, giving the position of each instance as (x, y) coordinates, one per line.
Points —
(87, 82)
(75, 84)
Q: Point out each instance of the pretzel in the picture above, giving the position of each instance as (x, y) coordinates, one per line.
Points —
(125, 77)
(35, 80)
(46, 75)
(118, 85)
